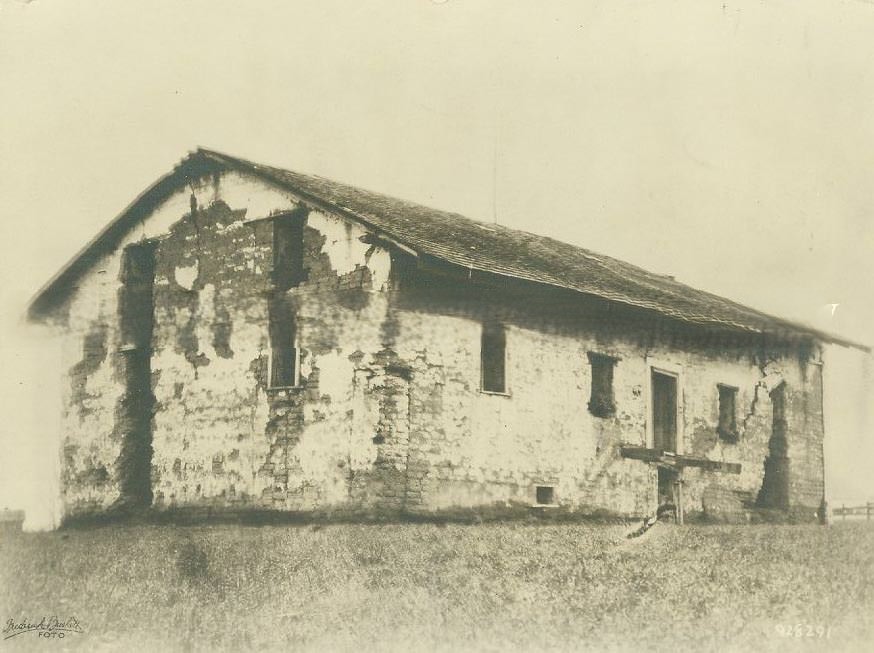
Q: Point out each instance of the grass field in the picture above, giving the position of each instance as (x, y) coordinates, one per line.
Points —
(497, 587)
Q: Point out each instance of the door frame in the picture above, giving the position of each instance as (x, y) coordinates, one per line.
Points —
(669, 369)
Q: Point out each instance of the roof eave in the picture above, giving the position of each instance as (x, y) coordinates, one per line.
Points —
(253, 168)
(203, 159)
(46, 297)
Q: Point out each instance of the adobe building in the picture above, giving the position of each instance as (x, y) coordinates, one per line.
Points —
(245, 338)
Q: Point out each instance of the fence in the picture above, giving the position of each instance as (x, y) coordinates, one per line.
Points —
(11, 520)
(855, 511)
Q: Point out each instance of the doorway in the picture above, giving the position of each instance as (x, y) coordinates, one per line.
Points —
(664, 411)
(664, 408)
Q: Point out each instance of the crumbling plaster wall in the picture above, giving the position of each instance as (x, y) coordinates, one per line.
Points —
(482, 448)
(389, 415)
(471, 448)
(755, 379)
(219, 435)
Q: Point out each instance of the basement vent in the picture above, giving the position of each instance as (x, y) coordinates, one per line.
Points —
(545, 495)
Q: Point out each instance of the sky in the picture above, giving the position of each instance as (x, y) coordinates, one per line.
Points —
(730, 144)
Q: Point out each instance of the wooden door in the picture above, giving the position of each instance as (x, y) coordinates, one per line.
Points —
(664, 411)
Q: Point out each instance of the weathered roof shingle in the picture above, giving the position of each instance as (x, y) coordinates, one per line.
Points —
(494, 249)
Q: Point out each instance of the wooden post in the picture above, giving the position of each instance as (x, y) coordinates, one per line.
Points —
(844, 510)
(868, 507)
(678, 499)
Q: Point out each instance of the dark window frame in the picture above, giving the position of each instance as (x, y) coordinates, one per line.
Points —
(137, 300)
(726, 427)
(285, 382)
(287, 272)
(602, 398)
(493, 359)
(287, 269)
(284, 347)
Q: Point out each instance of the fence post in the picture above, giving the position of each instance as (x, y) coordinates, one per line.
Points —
(844, 510)
(868, 507)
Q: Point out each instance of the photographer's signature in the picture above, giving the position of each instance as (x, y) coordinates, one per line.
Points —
(48, 627)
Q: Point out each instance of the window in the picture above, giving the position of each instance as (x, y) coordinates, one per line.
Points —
(288, 272)
(137, 301)
(601, 402)
(727, 428)
(544, 495)
(287, 251)
(284, 369)
(493, 354)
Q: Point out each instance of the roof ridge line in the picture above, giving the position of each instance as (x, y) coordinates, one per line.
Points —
(447, 235)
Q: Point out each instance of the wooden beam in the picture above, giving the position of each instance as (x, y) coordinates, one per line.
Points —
(374, 237)
(678, 461)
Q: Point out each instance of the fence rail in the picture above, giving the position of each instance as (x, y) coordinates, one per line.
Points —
(844, 511)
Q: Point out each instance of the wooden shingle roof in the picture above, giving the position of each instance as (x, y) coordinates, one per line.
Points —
(479, 246)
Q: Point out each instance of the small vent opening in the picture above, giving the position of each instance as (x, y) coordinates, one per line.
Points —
(545, 495)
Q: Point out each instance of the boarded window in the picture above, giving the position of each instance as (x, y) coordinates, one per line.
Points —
(494, 358)
(727, 428)
(284, 359)
(288, 251)
(601, 403)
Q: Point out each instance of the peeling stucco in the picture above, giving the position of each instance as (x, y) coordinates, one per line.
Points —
(388, 415)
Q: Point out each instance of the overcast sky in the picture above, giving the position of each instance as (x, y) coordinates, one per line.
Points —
(730, 144)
